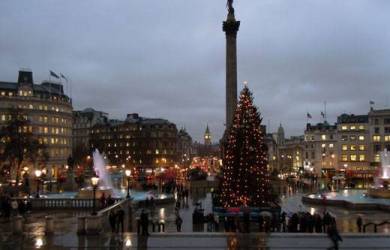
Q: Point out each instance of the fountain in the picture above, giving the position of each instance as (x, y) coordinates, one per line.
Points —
(381, 183)
(105, 184)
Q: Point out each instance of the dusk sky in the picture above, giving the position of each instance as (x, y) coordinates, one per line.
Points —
(167, 58)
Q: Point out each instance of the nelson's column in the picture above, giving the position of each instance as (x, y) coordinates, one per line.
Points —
(230, 27)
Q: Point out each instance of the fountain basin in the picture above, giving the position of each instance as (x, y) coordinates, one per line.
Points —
(379, 193)
(348, 198)
(87, 193)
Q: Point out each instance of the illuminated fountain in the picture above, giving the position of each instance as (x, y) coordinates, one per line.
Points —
(105, 184)
(381, 183)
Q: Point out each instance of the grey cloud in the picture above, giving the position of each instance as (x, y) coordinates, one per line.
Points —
(166, 58)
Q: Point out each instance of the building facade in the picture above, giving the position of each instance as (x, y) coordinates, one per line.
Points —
(354, 155)
(320, 149)
(142, 143)
(49, 111)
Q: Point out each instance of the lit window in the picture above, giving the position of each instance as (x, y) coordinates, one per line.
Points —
(353, 157)
(323, 145)
(353, 147)
(376, 138)
(344, 127)
(387, 137)
(344, 147)
(331, 145)
(323, 137)
(361, 137)
(361, 127)
(362, 157)
(157, 152)
(362, 147)
(377, 158)
(352, 137)
(344, 157)
(353, 127)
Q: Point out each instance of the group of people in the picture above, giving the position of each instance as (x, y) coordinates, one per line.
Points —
(106, 201)
(307, 223)
(116, 219)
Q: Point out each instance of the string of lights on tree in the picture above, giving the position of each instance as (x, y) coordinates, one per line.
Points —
(245, 176)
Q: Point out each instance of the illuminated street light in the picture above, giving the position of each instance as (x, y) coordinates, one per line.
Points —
(128, 175)
(94, 182)
(38, 174)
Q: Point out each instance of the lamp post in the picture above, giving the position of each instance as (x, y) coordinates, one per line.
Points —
(94, 181)
(38, 174)
(128, 175)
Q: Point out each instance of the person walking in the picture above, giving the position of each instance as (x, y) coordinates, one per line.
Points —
(334, 235)
(120, 220)
(112, 220)
(359, 223)
(178, 222)
(144, 223)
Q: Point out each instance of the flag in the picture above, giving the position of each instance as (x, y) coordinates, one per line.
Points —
(308, 116)
(63, 77)
(54, 74)
(322, 114)
(372, 102)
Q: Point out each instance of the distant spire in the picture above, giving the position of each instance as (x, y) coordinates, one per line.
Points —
(207, 136)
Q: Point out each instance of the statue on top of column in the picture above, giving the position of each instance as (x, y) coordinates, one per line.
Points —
(229, 5)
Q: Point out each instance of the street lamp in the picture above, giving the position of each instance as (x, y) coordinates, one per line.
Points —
(38, 174)
(128, 175)
(94, 181)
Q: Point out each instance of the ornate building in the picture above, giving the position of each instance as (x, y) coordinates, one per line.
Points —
(48, 109)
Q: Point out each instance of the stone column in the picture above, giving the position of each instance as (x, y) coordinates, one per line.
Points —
(230, 27)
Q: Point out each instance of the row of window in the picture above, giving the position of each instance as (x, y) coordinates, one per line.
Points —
(54, 141)
(353, 127)
(353, 157)
(56, 131)
(353, 137)
(149, 151)
(378, 138)
(344, 147)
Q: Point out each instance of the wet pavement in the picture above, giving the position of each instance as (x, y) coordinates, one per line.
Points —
(164, 241)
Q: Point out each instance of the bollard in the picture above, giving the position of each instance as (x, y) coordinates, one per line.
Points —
(49, 225)
(17, 225)
(81, 225)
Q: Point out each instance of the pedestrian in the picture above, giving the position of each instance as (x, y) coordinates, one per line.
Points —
(14, 206)
(110, 201)
(359, 223)
(112, 220)
(246, 221)
(144, 223)
(178, 222)
(120, 219)
(334, 235)
(103, 201)
(261, 223)
(318, 223)
(283, 221)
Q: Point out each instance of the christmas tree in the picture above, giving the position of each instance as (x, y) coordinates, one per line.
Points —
(245, 179)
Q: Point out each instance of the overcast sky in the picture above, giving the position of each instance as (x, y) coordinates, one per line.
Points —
(167, 58)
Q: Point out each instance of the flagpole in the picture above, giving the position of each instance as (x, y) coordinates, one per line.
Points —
(324, 111)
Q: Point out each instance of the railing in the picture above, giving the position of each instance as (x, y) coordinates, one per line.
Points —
(376, 225)
(62, 203)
